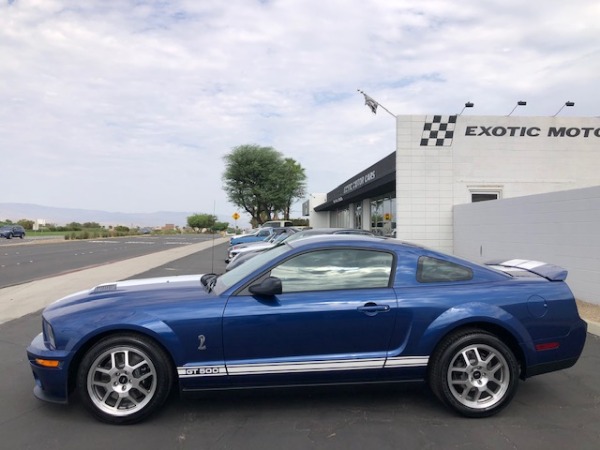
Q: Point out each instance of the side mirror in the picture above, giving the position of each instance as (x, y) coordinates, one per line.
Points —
(268, 287)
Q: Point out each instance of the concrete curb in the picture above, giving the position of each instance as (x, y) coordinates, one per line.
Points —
(17, 301)
(593, 327)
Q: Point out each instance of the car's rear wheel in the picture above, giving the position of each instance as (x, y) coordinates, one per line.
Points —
(474, 373)
(123, 379)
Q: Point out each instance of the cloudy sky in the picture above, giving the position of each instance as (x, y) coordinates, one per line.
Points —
(130, 105)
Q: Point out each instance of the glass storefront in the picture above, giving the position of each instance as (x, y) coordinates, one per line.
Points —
(340, 218)
(358, 210)
(383, 215)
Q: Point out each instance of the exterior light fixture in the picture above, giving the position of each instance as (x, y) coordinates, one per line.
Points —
(467, 105)
(568, 104)
(519, 103)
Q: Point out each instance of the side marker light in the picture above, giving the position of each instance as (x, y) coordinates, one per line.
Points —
(47, 362)
(547, 346)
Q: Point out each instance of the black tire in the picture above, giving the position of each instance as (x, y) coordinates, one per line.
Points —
(124, 378)
(474, 373)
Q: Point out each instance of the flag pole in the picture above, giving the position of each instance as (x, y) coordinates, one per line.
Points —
(373, 104)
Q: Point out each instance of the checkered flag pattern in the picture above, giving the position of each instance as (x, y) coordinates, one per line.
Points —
(438, 131)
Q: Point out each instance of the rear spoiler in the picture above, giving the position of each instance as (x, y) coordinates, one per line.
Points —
(548, 271)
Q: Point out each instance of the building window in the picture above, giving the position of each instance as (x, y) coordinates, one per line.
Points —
(383, 211)
(358, 215)
(483, 193)
(483, 197)
(340, 218)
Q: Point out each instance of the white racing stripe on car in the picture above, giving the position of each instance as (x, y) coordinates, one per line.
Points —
(305, 366)
(407, 361)
(308, 366)
(523, 263)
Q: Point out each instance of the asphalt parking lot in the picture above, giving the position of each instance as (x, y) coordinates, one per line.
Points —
(554, 411)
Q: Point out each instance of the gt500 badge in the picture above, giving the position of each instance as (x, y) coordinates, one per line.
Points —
(201, 371)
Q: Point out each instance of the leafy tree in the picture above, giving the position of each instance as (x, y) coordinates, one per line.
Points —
(74, 226)
(294, 186)
(26, 223)
(91, 225)
(221, 226)
(260, 181)
(201, 221)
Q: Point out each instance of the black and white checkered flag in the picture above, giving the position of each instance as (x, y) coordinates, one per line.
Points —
(438, 131)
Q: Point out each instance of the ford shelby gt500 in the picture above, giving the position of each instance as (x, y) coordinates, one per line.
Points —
(323, 310)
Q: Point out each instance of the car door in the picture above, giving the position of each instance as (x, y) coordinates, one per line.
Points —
(333, 319)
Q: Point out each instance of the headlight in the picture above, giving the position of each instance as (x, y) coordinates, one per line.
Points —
(48, 334)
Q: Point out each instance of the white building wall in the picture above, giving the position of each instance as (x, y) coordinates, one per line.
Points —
(514, 155)
(317, 219)
(559, 228)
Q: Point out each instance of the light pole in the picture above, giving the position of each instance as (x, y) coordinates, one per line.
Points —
(568, 104)
(519, 103)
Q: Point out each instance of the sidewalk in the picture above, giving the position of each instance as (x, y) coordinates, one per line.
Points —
(591, 314)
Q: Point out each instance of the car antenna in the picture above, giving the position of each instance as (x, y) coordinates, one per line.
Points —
(212, 257)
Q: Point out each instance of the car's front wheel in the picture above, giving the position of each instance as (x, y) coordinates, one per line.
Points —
(474, 373)
(123, 379)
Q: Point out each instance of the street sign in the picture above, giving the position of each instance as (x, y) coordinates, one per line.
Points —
(235, 216)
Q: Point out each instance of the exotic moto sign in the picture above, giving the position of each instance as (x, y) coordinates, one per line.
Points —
(439, 131)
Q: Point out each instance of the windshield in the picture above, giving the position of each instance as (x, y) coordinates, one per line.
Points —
(237, 274)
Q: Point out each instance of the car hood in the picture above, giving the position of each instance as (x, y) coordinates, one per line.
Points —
(138, 292)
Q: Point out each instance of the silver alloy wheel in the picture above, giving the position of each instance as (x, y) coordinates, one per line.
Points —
(121, 381)
(478, 376)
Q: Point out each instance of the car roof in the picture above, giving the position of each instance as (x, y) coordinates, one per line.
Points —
(352, 239)
(338, 238)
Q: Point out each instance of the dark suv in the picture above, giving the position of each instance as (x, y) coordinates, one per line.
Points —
(10, 231)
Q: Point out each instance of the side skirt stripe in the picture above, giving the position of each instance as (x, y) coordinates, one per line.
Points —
(300, 367)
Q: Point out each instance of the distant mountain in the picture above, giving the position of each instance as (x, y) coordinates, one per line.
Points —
(62, 216)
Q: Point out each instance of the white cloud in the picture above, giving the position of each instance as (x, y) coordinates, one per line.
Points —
(131, 105)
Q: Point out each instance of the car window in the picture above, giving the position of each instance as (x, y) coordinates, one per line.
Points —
(433, 270)
(335, 269)
(236, 275)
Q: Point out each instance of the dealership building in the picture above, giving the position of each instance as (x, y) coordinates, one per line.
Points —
(444, 161)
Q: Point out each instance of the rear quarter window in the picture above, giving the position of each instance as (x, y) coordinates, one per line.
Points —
(433, 270)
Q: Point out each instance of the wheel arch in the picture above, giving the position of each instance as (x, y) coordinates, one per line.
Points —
(495, 329)
(483, 316)
(94, 339)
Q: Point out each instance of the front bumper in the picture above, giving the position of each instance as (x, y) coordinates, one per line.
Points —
(51, 383)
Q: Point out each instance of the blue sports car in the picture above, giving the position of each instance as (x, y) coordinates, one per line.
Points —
(322, 310)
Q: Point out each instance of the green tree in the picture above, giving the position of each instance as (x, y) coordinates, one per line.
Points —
(221, 226)
(201, 221)
(262, 182)
(91, 225)
(294, 186)
(26, 223)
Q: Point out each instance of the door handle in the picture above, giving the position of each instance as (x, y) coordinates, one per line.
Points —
(371, 309)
